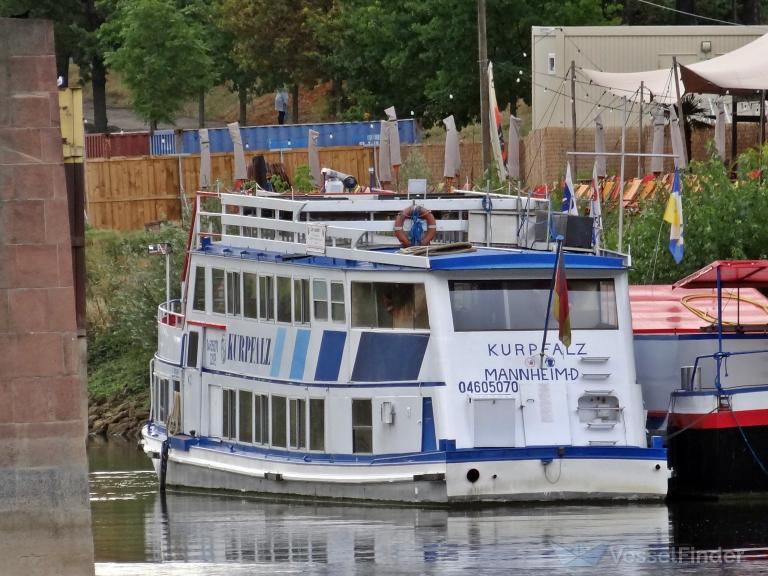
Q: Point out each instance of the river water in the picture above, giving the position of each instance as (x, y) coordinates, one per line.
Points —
(136, 532)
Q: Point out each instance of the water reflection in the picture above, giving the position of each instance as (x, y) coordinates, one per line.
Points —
(209, 534)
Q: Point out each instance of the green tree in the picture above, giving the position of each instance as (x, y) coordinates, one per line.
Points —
(421, 55)
(276, 40)
(162, 54)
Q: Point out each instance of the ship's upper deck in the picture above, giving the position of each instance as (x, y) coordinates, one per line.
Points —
(357, 232)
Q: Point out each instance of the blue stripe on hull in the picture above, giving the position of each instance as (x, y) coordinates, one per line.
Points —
(389, 357)
(329, 358)
(277, 359)
(299, 354)
(463, 455)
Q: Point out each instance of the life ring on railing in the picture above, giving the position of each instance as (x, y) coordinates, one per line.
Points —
(422, 212)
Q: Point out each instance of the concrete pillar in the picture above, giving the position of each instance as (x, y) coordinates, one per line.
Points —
(44, 509)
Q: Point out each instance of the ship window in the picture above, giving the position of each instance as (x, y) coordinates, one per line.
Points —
(278, 421)
(164, 400)
(245, 428)
(233, 293)
(266, 298)
(298, 423)
(283, 299)
(192, 347)
(389, 305)
(362, 426)
(250, 295)
(301, 301)
(485, 305)
(217, 284)
(320, 298)
(198, 300)
(229, 415)
(316, 424)
(337, 302)
(261, 413)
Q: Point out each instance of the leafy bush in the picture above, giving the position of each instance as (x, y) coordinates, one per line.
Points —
(125, 285)
(414, 167)
(302, 179)
(723, 220)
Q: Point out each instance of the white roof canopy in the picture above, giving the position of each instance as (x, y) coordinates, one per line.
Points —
(658, 85)
(742, 71)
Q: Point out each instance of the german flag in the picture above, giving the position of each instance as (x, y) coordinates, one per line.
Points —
(561, 302)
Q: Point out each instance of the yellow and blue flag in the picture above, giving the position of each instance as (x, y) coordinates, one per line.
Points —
(674, 215)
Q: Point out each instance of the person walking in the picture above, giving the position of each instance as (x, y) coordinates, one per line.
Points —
(281, 104)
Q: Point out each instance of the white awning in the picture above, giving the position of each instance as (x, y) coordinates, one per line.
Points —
(658, 85)
(744, 70)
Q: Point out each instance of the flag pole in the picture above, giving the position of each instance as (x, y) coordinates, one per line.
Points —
(558, 255)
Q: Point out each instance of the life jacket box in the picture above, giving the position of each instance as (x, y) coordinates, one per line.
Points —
(502, 227)
(577, 230)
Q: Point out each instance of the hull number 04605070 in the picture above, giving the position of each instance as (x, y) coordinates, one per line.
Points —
(488, 387)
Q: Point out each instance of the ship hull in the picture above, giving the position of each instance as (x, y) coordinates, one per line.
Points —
(435, 478)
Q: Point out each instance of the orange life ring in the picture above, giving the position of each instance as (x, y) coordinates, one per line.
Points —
(429, 235)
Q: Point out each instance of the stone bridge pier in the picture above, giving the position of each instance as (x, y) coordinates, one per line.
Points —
(44, 510)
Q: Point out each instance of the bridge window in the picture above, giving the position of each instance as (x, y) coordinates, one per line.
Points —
(301, 301)
(362, 426)
(250, 295)
(320, 298)
(266, 298)
(487, 305)
(218, 291)
(233, 293)
(389, 305)
(198, 300)
(337, 302)
(283, 299)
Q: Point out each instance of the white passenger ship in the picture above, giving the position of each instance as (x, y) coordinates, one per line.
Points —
(310, 357)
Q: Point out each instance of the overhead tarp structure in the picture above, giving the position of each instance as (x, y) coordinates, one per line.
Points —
(389, 147)
(600, 146)
(314, 158)
(497, 145)
(742, 71)
(513, 152)
(658, 85)
(657, 145)
(241, 173)
(205, 160)
(452, 158)
(720, 129)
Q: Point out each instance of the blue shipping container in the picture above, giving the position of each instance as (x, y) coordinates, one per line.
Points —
(288, 136)
(163, 143)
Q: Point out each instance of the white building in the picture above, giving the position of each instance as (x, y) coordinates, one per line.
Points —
(614, 49)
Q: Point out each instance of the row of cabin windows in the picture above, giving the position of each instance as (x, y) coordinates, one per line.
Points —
(269, 298)
(295, 422)
(265, 297)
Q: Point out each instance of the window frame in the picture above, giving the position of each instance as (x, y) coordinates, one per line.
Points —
(342, 302)
(362, 427)
(245, 300)
(200, 279)
(301, 298)
(223, 298)
(267, 304)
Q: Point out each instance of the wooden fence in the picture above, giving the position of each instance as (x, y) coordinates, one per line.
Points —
(131, 193)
